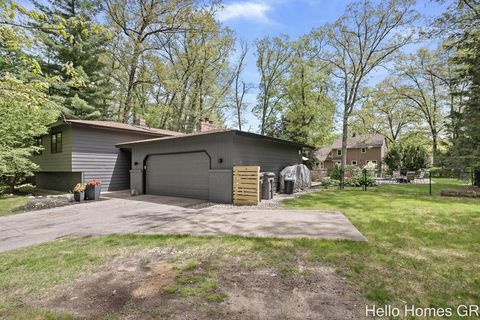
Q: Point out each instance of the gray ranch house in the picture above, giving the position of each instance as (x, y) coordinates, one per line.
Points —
(159, 162)
(79, 150)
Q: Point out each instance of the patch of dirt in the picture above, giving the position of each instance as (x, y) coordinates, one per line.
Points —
(313, 293)
(134, 288)
(468, 192)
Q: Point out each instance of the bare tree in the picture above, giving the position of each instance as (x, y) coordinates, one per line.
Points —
(423, 87)
(138, 21)
(364, 38)
(240, 87)
(273, 56)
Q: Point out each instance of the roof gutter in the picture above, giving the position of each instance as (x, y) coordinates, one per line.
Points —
(115, 129)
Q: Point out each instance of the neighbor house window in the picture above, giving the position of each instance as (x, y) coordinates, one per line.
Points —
(56, 142)
(37, 142)
(364, 150)
(372, 161)
(339, 152)
(354, 162)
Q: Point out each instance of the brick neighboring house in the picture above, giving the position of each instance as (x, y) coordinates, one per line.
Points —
(361, 149)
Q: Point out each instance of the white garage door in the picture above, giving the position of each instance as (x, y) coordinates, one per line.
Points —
(181, 175)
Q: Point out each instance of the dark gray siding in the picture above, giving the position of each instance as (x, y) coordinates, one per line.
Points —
(226, 150)
(61, 181)
(94, 153)
(270, 156)
(218, 147)
(56, 162)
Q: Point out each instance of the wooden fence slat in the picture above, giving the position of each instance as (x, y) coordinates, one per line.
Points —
(246, 185)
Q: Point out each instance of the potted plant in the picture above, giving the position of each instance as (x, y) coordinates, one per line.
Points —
(79, 192)
(94, 187)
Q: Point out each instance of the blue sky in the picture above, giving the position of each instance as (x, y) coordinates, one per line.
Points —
(255, 19)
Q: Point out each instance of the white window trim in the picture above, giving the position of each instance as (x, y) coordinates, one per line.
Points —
(339, 152)
(362, 150)
(354, 164)
(372, 161)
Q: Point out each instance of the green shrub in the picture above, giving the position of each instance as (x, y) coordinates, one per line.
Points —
(335, 174)
(329, 182)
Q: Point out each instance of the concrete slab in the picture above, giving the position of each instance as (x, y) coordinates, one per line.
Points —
(173, 201)
(149, 215)
(279, 223)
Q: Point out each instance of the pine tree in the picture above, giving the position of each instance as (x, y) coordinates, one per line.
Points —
(85, 93)
(465, 150)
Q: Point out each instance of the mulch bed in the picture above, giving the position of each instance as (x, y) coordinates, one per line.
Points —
(468, 192)
(38, 203)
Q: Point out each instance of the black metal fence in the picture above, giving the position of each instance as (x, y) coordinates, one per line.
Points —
(430, 181)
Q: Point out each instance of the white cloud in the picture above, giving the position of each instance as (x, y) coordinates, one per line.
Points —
(248, 10)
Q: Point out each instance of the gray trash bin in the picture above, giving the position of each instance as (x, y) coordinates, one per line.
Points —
(267, 185)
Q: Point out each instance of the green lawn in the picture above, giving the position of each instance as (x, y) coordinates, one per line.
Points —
(421, 189)
(422, 250)
(9, 203)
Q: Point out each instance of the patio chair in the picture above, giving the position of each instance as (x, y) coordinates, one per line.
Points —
(419, 177)
(397, 177)
(410, 176)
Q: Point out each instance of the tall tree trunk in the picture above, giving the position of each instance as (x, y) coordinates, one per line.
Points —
(344, 150)
(434, 148)
(131, 81)
(476, 177)
(13, 182)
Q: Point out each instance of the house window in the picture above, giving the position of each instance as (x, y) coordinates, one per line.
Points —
(56, 142)
(339, 152)
(37, 142)
(354, 162)
(372, 161)
(364, 150)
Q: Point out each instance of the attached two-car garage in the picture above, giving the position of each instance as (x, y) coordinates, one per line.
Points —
(200, 165)
(183, 174)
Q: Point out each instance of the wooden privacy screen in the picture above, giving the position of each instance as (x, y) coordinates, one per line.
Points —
(246, 190)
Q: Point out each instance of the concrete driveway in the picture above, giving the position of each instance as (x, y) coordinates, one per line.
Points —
(168, 215)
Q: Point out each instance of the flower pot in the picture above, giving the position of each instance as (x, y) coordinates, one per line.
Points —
(79, 196)
(93, 192)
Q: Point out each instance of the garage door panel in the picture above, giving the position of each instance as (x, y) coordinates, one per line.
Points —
(183, 175)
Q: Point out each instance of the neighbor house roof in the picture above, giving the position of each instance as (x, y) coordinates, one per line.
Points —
(360, 141)
(218, 131)
(322, 153)
(124, 126)
(356, 141)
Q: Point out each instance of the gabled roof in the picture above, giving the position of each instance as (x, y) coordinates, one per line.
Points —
(361, 141)
(217, 131)
(356, 141)
(322, 153)
(124, 126)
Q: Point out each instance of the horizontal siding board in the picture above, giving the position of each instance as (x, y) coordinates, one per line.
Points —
(56, 162)
(94, 152)
(270, 156)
